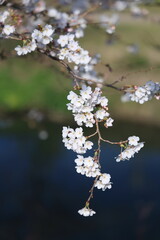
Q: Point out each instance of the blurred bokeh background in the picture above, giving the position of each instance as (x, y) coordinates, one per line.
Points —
(40, 192)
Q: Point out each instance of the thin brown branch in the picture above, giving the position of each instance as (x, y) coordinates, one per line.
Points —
(73, 75)
(92, 135)
(105, 140)
(118, 143)
(124, 77)
(92, 9)
(91, 191)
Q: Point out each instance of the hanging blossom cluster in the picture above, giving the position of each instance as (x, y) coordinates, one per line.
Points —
(130, 149)
(90, 109)
(88, 105)
(144, 93)
(86, 212)
(74, 140)
(71, 50)
(87, 166)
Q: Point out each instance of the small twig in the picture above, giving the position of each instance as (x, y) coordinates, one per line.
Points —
(104, 140)
(123, 77)
(92, 9)
(118, 143)
(92, 135)
(91, 191)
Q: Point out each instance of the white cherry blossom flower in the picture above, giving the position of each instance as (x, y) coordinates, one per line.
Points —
(73, 46)
(109, 122)
(8, 29)
(103, 101)
(63, 40)
(103, 182)
(44, 36)
(133, 140)
(30, 47)
(138, 147)
(3, 16)
(37, 35)
(101, 114)
(86, 212)
(87, 166)
(46, 40)
(64, 53)
(144, 93)
(88, 145)
(88, 162)
(74, 139)
(79, 160)
(133, 147)
(48, 30)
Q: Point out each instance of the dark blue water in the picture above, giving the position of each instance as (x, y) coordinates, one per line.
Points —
(40, 192)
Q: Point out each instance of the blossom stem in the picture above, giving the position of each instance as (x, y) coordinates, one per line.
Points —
(104, 140)
(91, 191)
(118, 143)
(92, 135)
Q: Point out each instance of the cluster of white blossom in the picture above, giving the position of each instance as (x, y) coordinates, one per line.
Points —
(39, 38)
(103, 182)
(3, 16)
(28, 48)
(44, 36)
(7, 29)
(87, 166)
(89, 105)
(75, 23)
(143, 93)
(86, 212)
(134, 146)
(74, 140)
(71, 50)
